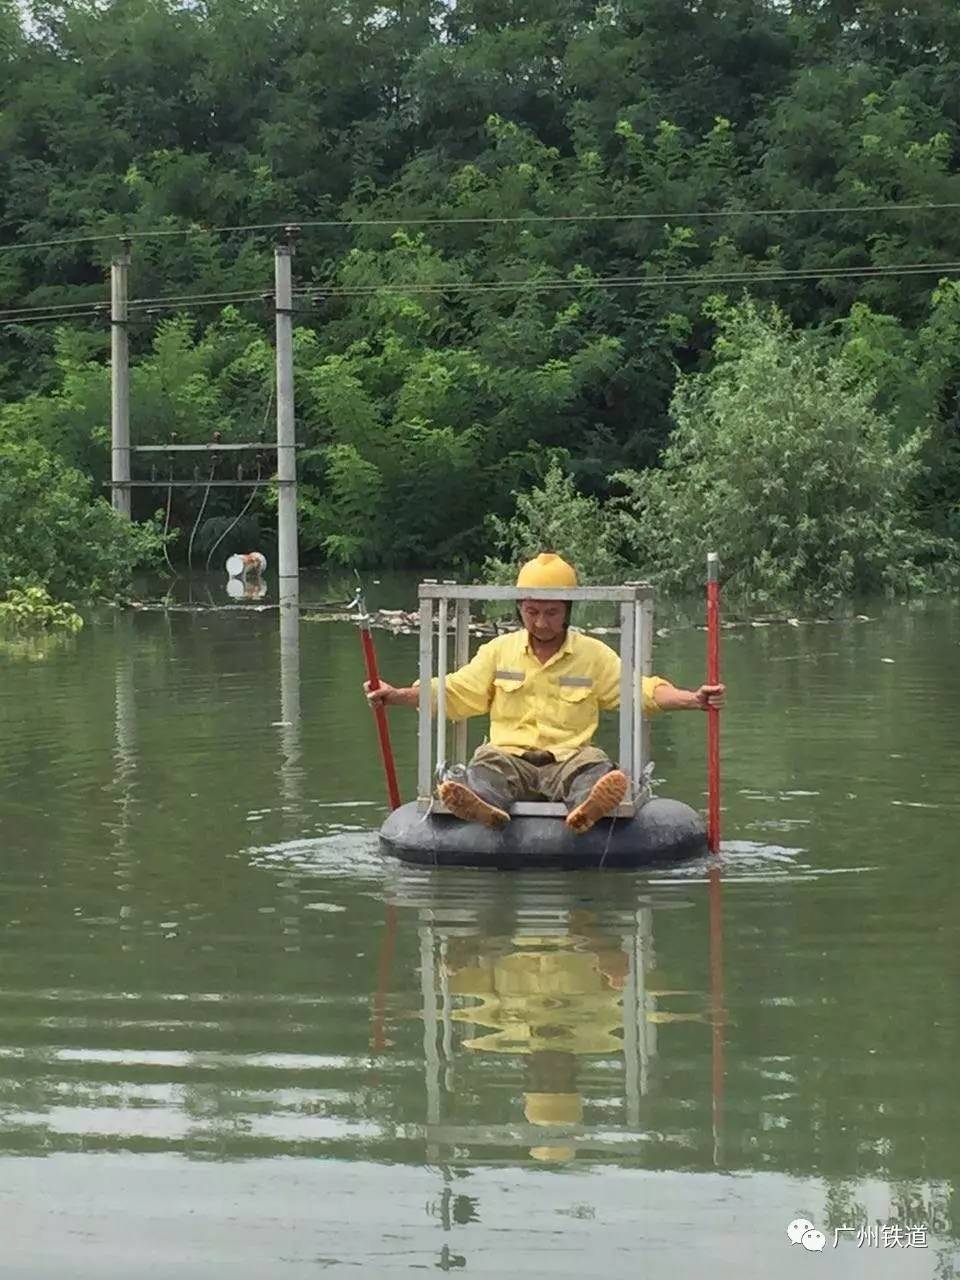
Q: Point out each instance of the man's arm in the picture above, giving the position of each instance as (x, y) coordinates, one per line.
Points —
(390, 696)
(669, 698)
(468, 690)
(658, 694)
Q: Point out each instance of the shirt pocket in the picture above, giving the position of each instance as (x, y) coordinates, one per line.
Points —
(578, 701)
(506, 688)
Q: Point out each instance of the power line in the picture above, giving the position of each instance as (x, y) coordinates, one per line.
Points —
(18, 321)
(241, 295)
(485, 220)
(532, 285)
(211, 300)
(155, 233)
(103, 308)
(57, 307)
(637, 282)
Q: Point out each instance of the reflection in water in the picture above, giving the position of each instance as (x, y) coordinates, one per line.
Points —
(563, 1000)
(553, 998)
(291, 746)
(253, 588)
(554, 1037)
(124, 754)
(717, 1009)
(543, 993)
(291, 771)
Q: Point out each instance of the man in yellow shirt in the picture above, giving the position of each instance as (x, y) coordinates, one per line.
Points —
(544, 687)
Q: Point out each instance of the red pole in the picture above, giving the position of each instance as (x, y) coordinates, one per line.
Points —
(380, 714)
(713, 714)
(717, 1009)
(378, 1038)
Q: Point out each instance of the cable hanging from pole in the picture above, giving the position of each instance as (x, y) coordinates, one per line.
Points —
(166, 522)
(246, 507)
(196, 523)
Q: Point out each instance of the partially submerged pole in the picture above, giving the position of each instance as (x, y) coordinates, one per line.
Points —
(713, 713)
(718, 1071)
(287, 562)
(120, 382)
(291, 749)
(378, 1012)
(379, 712)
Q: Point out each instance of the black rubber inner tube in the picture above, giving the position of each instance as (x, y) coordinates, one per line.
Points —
(663, 831)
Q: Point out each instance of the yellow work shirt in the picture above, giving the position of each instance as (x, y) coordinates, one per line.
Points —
(551, 706)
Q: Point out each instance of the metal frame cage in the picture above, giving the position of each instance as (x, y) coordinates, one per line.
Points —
(635, 600)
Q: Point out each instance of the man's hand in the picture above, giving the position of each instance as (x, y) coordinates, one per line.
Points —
(389, 695)
(711, 695)
(380, 696)
(670, 698)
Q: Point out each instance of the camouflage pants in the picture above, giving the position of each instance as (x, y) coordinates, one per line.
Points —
(501, 778)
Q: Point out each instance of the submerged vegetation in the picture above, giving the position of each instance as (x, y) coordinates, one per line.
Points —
(33, 607)
(549, 300)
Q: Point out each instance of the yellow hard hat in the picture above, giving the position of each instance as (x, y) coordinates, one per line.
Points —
(547, 570)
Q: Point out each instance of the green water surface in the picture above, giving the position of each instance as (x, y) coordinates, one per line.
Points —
(235, 1041)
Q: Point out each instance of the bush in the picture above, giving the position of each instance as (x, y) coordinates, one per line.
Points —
(57, 536)
(555, 517)
(33, 607)
(780, 462)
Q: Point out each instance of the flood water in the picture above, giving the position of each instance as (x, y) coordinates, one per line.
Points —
(236, 1041)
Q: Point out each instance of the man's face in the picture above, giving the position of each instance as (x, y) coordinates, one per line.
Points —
(544, 619)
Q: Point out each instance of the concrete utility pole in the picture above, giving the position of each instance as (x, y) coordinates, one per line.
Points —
(120, 380)
(288, 566)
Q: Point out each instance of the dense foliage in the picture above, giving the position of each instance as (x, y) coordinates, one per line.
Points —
(35, 608)
(780, 458)
(57, 535)
(554, 515)
(442, 363)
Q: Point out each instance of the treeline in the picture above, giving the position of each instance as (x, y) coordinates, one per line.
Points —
(547, 214)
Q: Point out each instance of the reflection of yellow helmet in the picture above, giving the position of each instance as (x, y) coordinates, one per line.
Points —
(553, 1108)
(547, 570)
(554, 1155)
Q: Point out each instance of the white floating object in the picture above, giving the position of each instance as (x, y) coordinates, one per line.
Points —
(246, 589)
(886, 659)
(239, 566)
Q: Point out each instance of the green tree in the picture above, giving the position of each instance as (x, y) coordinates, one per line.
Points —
(917, 376)
(57, 536)
(432, 411)
(780, 461)
(554, 516)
